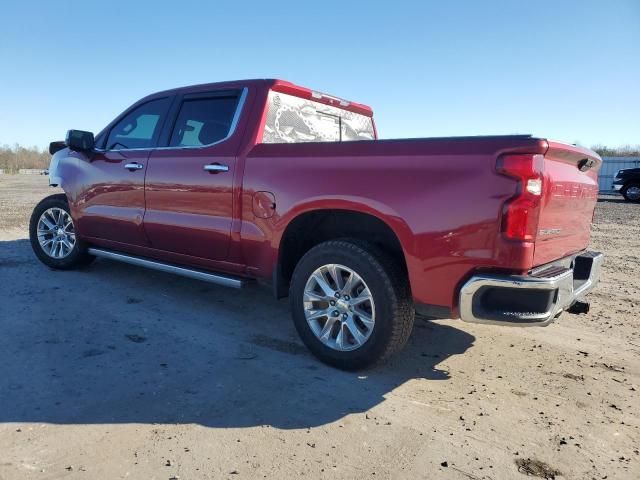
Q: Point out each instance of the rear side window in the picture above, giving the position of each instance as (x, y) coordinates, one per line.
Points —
(203, 121)
(140, 128)
(292, 119)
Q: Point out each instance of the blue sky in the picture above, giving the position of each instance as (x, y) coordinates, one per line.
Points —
(567, 70)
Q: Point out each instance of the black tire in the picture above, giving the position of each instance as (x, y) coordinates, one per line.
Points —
(389, 289)
(625, 192)
(78, 256)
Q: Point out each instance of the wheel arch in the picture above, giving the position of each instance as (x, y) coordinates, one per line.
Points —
(313, 225)
(58, 196)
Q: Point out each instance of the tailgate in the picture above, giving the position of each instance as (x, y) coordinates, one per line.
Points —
(569, 198)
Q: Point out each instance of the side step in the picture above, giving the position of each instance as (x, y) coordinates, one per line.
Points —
(226, 281)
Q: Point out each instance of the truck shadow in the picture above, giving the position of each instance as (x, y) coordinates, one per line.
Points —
(114, 343)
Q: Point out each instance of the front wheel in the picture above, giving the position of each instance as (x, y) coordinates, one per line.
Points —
(351, 303)
(631, 192)
(53, 236)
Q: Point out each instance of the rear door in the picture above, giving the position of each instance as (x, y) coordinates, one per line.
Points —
(189, 182)
(570, 195)
(111, 205)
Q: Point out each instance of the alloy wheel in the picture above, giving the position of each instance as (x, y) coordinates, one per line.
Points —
(339, 307)
(56, 234)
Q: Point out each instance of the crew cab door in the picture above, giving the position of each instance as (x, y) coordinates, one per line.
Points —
(189, 182)
(111, 201)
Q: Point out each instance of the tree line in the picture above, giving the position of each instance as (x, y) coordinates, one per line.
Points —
(16, 157)
(626, 151)
(13, 158)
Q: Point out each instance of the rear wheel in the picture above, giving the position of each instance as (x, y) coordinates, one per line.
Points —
(631, 192)
(53, 237)
(351, 303)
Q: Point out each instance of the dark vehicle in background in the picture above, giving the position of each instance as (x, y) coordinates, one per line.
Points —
(627, 182)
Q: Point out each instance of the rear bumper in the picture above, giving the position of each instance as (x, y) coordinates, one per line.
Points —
(529, 300)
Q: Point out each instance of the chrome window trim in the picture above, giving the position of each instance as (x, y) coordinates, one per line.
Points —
(232, 129)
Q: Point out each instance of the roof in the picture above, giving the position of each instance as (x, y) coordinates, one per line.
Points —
(277, 85)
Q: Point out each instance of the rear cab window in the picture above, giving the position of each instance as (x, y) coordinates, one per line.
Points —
(292, 119)
(204, 119)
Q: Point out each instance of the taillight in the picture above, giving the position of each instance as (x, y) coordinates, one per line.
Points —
(521, 212)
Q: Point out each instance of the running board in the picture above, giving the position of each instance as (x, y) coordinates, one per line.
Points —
(169, 268)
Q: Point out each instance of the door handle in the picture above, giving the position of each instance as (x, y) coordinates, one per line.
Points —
(216, 168)
(133, 166)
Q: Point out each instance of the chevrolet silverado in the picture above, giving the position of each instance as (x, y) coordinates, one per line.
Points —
(263, 180)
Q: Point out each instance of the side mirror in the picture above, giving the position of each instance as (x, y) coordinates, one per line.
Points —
(80, 140)
(56, 147)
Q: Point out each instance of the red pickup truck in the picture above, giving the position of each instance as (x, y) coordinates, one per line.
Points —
(264, 180)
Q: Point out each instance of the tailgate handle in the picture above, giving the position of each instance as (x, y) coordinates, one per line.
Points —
(585, 164)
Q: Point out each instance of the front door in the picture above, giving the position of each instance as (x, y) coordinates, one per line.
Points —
(111, 204)
(189, 183)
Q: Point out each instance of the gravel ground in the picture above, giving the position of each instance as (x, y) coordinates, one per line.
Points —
(117, 372)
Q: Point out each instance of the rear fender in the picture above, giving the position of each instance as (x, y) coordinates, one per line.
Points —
(343, 203)
(348, 203)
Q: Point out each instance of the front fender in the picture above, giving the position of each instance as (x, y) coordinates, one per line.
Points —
(55, 177)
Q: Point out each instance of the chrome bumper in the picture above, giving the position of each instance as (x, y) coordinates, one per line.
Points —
(617, 188)
(530, 300)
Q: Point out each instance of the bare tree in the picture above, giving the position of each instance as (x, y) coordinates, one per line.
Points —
(625, 151)
(16, 157)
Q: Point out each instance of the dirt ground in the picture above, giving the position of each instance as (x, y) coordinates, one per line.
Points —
(118, 372)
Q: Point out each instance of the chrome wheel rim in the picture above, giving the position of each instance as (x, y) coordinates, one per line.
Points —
(56, 234)
(633, 193)
(339, 307)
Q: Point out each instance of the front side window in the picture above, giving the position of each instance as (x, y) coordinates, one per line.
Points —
(140, 128)
(292, 119)
(203, 121)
